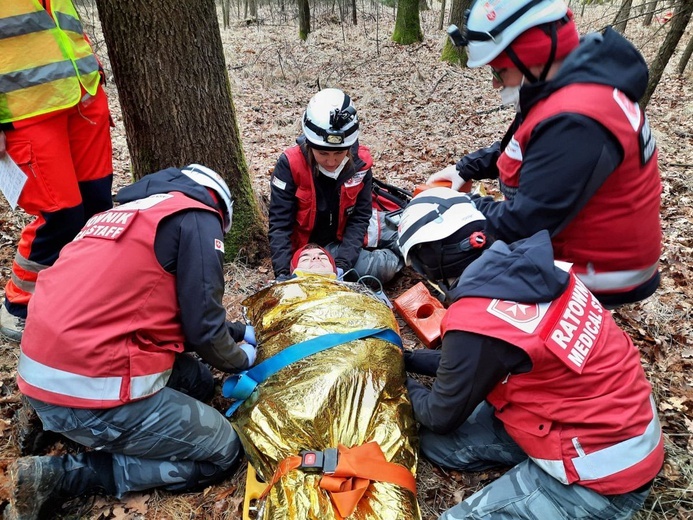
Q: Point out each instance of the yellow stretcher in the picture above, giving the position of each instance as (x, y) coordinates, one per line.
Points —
(253, 490)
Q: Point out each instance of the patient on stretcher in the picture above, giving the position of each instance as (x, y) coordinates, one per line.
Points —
(345, 401)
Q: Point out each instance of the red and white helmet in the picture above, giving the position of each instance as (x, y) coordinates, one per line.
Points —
(492, 25)
(330, 121)
(212, 180)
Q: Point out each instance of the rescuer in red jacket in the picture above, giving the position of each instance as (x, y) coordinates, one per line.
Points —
(532, 372)
(55, 125)
(579, 159)
(321, 193)
(106, 358)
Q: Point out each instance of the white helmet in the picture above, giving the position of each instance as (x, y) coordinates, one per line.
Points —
(212, 180)
(434, 215)
(492, 25)
(330, 121)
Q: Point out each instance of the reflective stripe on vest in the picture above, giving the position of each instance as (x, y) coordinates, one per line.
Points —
(616, 280)
(25, 24)
(611, 460)
(43, 59)
(70, 384)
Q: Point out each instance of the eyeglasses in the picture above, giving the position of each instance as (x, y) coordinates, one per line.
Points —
(497, 74)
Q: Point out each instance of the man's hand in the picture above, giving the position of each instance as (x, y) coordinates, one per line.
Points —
(250, 352)
(3, 144)
(449, 174)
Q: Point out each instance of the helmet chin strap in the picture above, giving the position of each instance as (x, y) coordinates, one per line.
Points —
(547, 66)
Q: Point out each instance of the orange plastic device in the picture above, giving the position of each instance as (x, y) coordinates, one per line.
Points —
(422, 312)
(466, 187)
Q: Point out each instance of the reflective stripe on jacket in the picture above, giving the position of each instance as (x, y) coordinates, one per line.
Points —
(306, 197)
(104, 323)
(584, 413)
(45, 59)
(607, 251)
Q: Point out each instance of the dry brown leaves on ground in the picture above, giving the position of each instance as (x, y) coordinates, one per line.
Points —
(418, 115)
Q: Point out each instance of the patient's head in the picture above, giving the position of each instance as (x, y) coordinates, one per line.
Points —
(313, 259)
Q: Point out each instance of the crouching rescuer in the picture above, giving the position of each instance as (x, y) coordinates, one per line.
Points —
(106, 355)
(533, 372)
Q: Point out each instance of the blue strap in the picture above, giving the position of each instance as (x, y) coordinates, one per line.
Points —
(241, 385)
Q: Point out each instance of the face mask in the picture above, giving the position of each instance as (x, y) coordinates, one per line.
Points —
(511, 96)
(334, 174)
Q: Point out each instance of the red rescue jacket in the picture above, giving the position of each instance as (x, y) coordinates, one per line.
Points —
(103, 326)
(305, 194)
(585, 412)
(615, 241)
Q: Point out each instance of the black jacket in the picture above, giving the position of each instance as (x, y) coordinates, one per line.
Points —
(283, 206)
(571, 147)
(468, 366)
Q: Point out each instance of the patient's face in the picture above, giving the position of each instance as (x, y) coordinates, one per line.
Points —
(314, 261)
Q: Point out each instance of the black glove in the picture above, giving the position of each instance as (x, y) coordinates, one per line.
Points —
(422, 361)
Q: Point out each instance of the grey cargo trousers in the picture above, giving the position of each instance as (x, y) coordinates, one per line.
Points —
(526, 491)
(170, 440)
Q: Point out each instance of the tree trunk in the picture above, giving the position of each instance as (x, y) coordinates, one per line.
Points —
(252, 10)
(685, 56)
(622, 16)
(303, 19)
(226, 13)
(441, 19)
(168, 63)
(407, 24)
(451, 53)
(354, 20)
(677, 26)
(649, 12)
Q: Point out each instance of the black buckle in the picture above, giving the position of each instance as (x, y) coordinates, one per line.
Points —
(314, 461)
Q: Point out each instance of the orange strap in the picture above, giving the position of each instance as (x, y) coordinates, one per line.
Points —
(356, 468)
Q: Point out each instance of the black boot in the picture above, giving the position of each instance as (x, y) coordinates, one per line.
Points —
(31, 438)
(41, 484)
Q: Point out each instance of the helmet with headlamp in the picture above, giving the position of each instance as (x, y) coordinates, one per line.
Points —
(330, 121)
(212, 180)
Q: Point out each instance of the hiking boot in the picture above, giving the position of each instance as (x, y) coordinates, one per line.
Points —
(11, 326)
(35, 484)
(28, 430)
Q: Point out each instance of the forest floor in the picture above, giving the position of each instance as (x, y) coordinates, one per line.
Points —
(417, 115)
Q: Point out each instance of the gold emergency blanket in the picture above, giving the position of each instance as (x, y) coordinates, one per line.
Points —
(349, 394)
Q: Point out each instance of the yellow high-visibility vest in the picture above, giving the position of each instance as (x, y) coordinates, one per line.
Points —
(44, 58)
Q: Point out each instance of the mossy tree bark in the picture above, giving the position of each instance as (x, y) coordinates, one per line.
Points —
(407, 24)
(303, 19)
(168, 63)
(450, 53)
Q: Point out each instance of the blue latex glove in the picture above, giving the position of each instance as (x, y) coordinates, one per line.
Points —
(249, 336)
(283, 277)
(250, 352)
(340, 273)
